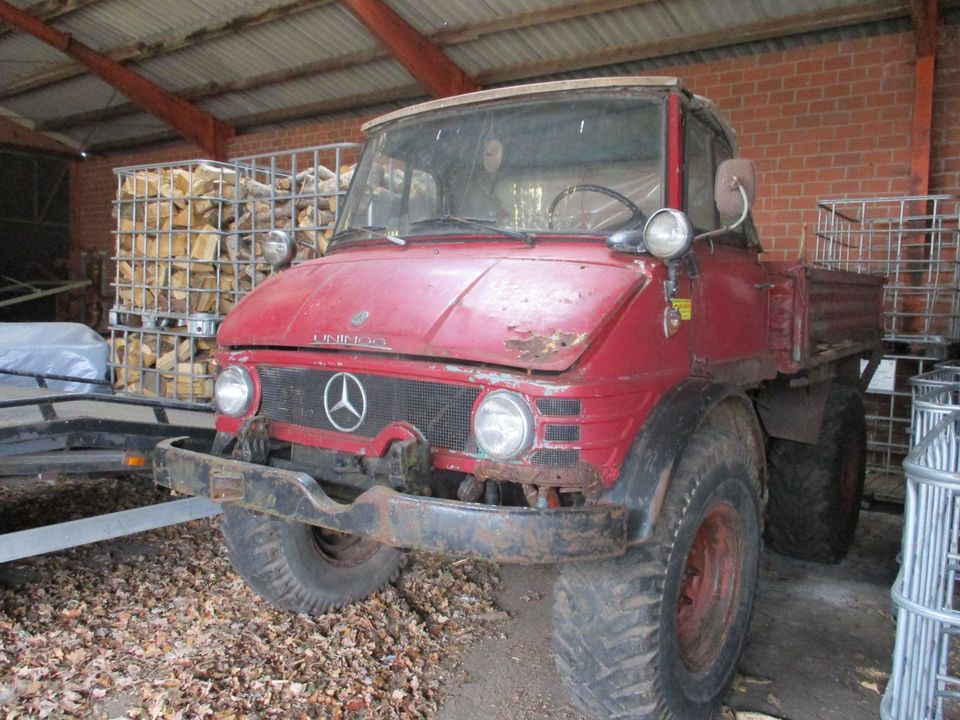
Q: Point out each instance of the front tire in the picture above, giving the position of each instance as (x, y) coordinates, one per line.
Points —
(304, 568)
(657, 633)
(815, 490)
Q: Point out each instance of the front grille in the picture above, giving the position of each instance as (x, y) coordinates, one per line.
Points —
(558, 407)
(555, 458)
(440, 411)
(562, 433)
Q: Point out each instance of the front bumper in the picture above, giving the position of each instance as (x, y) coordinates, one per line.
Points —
(449, 527)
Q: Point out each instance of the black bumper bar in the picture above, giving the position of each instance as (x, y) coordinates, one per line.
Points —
(449, 527)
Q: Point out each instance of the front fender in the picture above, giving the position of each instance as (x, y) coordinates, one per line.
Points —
(645, 477)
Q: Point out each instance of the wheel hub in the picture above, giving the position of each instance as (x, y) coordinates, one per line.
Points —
(343, 549)
(710, 588)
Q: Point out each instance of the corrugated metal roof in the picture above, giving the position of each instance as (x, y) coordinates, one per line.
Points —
(265, 65)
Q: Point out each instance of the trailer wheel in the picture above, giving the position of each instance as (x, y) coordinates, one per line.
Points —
(304, 568)
(658, 632)
(815, 490)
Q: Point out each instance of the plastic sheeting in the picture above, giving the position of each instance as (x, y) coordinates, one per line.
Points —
(69, 349)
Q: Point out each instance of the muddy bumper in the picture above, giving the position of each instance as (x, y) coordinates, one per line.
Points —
(449, 527)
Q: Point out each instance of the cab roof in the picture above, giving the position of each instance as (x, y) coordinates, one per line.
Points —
(670, 84)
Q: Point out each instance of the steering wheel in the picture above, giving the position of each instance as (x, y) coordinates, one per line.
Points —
(636, 214)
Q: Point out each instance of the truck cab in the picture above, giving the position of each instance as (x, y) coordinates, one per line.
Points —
(542, 332)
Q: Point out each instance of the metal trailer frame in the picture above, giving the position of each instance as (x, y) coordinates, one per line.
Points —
(91, 444)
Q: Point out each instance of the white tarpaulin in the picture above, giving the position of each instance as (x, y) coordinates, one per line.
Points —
(69, 349)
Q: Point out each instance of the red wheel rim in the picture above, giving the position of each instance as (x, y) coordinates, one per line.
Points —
(710, 588)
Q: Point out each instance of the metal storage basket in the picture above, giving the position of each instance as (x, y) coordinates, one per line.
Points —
(925, 680)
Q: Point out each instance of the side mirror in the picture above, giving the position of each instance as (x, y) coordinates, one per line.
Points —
(736, 182)
(629, 241)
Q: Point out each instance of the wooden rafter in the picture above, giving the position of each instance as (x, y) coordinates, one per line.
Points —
(16, 133)
(201, 128)
(49, 10)
(747, 32)
(139, 51)
(449, 36)
(405, 93)
(803, 22)
(422, 58)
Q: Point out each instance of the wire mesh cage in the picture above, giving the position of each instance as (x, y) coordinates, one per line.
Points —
(912, 241)
(170, 257)
(925, 679)
(189, 247)
(887, 404)
(296, 192)
(164, 362)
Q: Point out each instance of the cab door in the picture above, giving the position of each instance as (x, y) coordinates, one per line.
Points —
(729, 291)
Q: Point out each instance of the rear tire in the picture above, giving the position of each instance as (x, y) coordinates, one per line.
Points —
(815, 490)
(303, 568)
(657, 633)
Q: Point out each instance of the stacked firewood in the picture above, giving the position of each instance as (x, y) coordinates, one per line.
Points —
(164, 364)
(188, 243)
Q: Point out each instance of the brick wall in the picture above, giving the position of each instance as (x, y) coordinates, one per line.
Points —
(94, 184)
(826, 121)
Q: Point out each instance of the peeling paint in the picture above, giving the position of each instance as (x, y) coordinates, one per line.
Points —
(544, 347)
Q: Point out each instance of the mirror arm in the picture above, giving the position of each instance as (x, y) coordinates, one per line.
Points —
(738, 223)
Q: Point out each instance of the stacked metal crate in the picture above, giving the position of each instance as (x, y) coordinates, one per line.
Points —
(912, 241)
(188, 249)
(925, 678)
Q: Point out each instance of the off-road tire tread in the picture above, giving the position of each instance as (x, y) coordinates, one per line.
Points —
(607, 614)
(804, 517)
(256, 551)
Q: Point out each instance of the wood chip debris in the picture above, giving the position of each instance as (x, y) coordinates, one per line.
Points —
(158, 627)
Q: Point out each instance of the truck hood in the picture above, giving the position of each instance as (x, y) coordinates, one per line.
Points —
(538, 313)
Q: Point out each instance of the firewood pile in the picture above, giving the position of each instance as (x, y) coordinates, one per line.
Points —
(188, 246)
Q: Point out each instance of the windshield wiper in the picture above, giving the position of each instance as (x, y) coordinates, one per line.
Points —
(472, 222)
(377, 231)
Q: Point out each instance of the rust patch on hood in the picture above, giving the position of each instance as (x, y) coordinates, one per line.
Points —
(543, 347)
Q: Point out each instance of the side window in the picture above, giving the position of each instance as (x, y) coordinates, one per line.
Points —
(699, 172)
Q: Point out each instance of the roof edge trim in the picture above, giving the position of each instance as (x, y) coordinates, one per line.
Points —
(666, 83)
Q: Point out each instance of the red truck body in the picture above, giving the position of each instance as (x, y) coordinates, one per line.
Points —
(566, 318)
(476, 369)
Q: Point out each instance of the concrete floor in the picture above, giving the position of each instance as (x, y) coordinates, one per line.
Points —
(819, 646)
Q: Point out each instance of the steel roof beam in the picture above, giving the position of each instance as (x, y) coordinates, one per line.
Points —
(422, 58)
(206, 131)
(925, 15)
(140, 51)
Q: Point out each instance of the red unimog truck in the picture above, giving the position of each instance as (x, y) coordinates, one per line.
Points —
(543, 333)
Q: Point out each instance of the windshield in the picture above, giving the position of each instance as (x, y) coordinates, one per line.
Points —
(570, 163)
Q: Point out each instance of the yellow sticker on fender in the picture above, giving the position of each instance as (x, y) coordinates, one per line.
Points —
(684, 306)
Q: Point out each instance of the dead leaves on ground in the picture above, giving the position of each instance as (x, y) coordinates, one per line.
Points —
(166, 631)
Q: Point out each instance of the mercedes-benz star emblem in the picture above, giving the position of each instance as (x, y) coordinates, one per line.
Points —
(345, 402)
(360, 318)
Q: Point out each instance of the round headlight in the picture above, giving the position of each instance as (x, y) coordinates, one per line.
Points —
(668, 234)
(278, 248)
(233, 391)
(503, 425)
